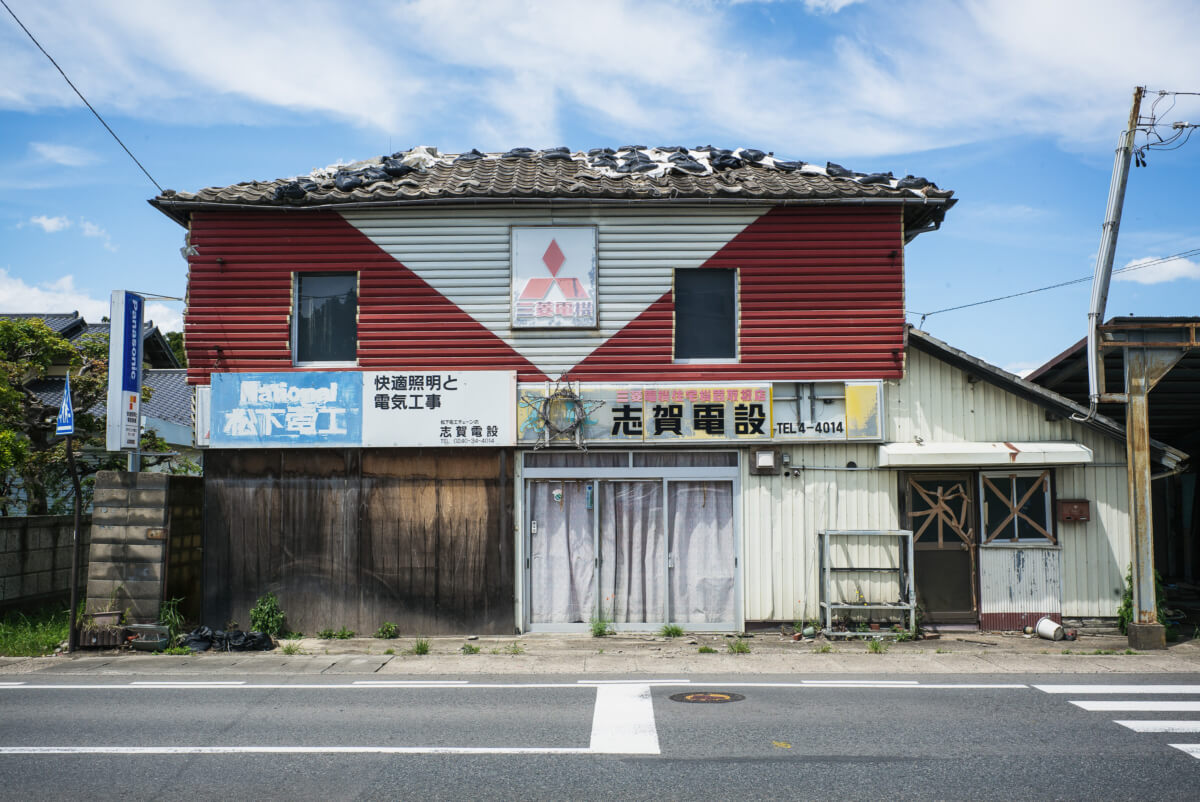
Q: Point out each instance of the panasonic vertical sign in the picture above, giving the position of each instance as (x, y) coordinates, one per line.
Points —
(124, 371)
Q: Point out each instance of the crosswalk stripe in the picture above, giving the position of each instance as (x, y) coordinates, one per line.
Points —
(1115, 689)
(1161, 726)
(1191, 749)
(1146, 706)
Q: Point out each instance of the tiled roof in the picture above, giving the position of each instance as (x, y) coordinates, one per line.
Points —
(67, 324)
(71, 326)
(171, 399)
(422, 175)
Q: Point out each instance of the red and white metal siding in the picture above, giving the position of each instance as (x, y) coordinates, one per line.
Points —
(820, 289)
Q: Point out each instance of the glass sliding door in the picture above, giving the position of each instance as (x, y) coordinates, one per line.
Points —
(632, 552)
(562, 552)
(702, 583)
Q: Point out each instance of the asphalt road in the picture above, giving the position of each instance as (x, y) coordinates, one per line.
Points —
(921, 737)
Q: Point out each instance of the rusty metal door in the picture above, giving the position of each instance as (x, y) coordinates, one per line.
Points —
(941, 515)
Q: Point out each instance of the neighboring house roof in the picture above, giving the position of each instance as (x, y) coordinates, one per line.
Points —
(1022, 388)
(71, 326)
(630, 173)
(1174, 408)
(170, 400)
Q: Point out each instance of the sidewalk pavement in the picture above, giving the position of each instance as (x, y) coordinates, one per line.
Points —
(647, 655)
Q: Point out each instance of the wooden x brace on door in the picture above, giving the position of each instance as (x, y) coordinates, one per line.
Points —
(1014, 510)
(940, 511)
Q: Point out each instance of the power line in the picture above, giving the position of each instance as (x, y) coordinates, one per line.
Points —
(1126, 269)
(81, 97)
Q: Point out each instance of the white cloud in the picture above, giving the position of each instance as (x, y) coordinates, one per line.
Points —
(62, 296)
(91, 229)
(66, 155)
(1022, 369)
(50, 224)
(906, 77)
(1158, 272)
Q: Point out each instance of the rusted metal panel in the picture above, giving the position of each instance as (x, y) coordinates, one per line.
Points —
(1018, 583)
(418, 537)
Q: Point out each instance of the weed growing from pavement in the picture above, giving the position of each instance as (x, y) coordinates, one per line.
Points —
(515, 648)
(33, 635)
(421, 646)
(601, 626)
(387, 631)
(1131, 651)
(291, 648)
(267, 616)
(177, 650)
(707, 650)
(825, 648)
(739, 646)
(877, 646)
(344, 634)
(326, 634)
(671, 631)
(469, 648)
(946, 651)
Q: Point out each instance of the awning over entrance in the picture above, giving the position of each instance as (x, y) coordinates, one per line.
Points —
(943, 454)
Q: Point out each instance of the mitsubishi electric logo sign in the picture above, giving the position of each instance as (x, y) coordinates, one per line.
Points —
(554, 277)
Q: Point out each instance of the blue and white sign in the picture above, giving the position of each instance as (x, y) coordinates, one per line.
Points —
(66, 412)
(123, 424)
(396, 408)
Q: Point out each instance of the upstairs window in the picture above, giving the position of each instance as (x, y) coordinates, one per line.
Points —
(705, 315)
(326, 319)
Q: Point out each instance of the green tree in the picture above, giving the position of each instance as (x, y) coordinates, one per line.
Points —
(33, 461)
(175, 340)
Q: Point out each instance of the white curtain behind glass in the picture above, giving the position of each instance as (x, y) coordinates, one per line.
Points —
(562, 554)
(701, 522)
(631, 549)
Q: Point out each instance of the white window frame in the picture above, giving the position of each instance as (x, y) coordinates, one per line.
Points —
(986, 539)
(737, 320)
(295, 323)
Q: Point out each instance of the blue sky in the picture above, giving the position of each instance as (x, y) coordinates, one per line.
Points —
(1017, 106)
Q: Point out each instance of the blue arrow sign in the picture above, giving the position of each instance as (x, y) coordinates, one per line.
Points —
(66, 412)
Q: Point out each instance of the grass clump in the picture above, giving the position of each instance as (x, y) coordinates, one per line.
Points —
(707, 650)
(514, 648)
(387, 631)
(291, 648)
(671, 631)
(33, 635)
(601, 626)
(178, 650)
(421, 646)
(344, 634)
(326, 634)
(267, 616)
(469, 648)
(825, 649)
(739, 646)
(877, 647)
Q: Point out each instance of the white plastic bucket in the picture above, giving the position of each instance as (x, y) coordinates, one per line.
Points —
(1049, 629)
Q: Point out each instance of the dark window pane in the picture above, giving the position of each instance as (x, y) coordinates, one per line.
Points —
(705, 314)
(996, 508)
(1034, 508)
(326, 318)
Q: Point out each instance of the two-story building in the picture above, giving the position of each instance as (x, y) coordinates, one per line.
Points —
(479, 392)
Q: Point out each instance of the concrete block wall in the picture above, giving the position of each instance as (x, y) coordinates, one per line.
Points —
(35, 557)
(128, 544)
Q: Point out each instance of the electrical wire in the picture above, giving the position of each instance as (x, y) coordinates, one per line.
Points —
(1126, 269)
(81, 97)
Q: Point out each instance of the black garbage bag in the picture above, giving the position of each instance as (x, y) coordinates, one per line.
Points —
(788, 167)
(725, 161)
(876, 178)
(518, 153)
(347, 181)
(473, 155)
(555, 153)
(594, 152)
(838, 171)
(397, 169)
(372, 174)
(203, 639)
(914, 182)
(199, 639)
(753, 156)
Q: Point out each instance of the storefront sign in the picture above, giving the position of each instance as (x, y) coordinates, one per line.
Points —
(553, 277)
(362, 408)
(666, 413)
(123, 417)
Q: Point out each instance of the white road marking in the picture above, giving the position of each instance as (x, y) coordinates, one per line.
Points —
(299, 750)
(362, 685)
(1133, 689)
(1191, 749)
(416, 683)
(201, 684)
(1160, 726)
(1145, 706)
(10, 684)
(851, 682)
(634, 682)
(623, 723)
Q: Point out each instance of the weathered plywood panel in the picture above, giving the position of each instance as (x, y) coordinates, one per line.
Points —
(355, 538)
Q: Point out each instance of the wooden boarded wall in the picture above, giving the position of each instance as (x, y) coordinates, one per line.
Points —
(355, 537)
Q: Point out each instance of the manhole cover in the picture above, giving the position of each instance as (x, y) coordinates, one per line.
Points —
(707, 697)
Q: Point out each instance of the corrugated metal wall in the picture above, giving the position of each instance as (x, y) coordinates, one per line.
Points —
(1017, 586)
(782, 515)
(821, 290)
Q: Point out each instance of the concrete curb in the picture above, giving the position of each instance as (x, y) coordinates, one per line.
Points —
(970, 653)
